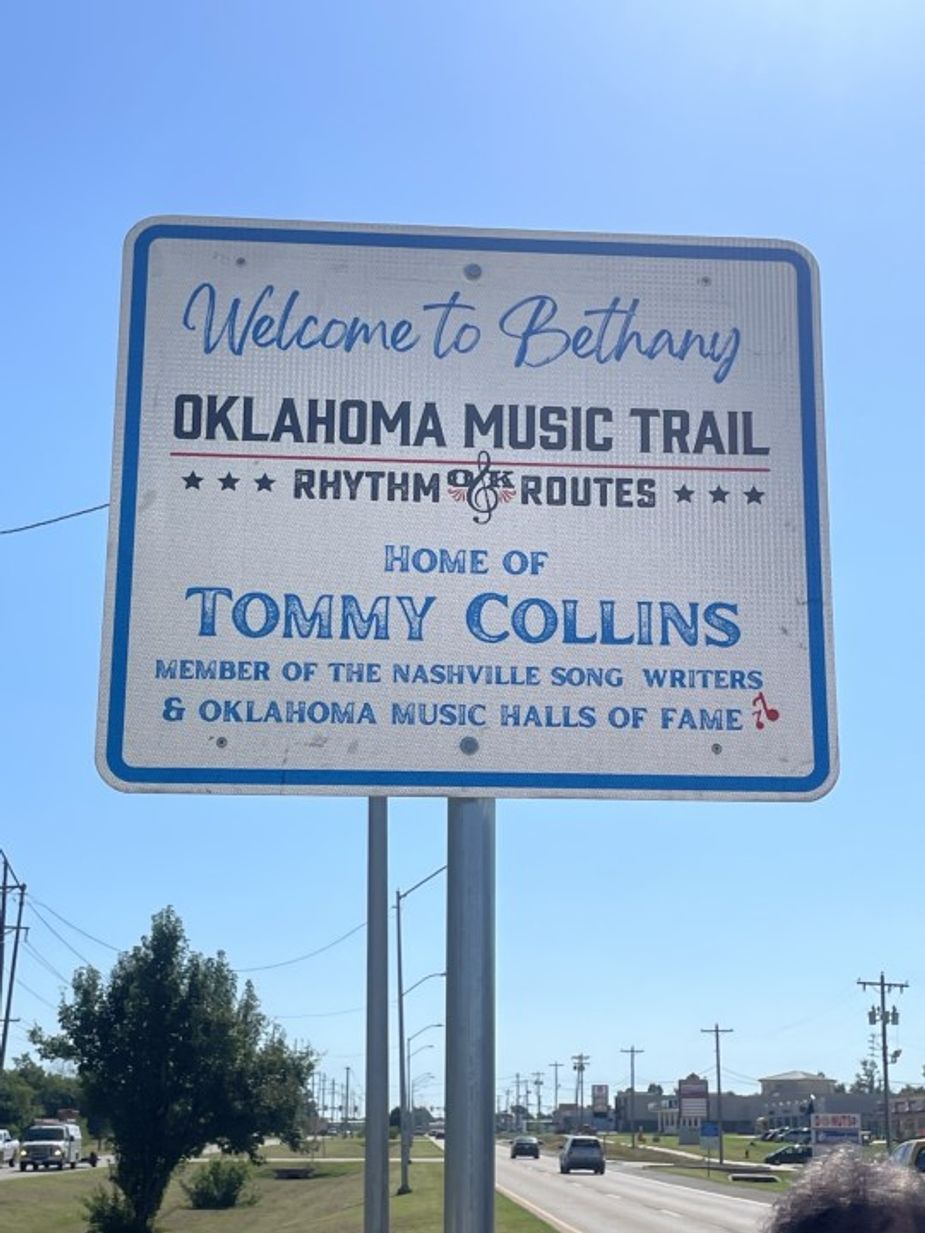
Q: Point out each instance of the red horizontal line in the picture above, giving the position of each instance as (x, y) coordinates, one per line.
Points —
(496, 463)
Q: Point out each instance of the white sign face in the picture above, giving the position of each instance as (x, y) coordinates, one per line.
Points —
(405, 510)
(832, 1130)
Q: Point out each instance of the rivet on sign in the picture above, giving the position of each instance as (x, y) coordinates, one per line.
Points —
(241, 261)
(469, 745)
(717, 749)
(472, 271)
(222, 742)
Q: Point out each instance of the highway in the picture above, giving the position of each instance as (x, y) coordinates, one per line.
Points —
(626, 1197)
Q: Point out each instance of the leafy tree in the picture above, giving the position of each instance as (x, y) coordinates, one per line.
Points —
(17, 1101)
(174, 1059)
(867, 1078)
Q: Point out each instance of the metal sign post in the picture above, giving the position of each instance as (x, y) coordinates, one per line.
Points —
(376, 1165)
(469, 1184)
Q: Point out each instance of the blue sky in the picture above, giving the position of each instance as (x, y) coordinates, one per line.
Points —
(618, 923)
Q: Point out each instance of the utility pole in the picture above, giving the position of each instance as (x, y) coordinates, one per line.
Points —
(880, 1014)
(347, 1103)
(632, 1051)
(716, 1032)
(8, 885)
(517, 1125)
(555, 1089)
(537, 1084)
(579, 1063)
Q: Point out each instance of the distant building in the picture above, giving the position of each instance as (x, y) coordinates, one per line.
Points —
(907, 1116)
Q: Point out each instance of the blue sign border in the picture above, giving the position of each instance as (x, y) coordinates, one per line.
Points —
(366, 781)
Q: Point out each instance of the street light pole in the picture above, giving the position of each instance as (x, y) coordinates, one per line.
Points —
(408, 1058)
(411, 1082)
(404, 1186)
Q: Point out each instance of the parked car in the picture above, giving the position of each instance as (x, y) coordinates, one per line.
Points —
(582, 1152)
(9, 1148)
(525, 1145)
(803, 1135)
(910, 1154)
(793, 1153)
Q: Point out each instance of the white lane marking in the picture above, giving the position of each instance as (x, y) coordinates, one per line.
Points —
(538, 1211)
(728, 1198)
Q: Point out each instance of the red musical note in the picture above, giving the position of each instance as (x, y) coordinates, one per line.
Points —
(764, 711)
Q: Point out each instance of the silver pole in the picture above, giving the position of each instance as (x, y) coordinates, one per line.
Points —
(376, 1168)
(403, 1145)
(469, 1178)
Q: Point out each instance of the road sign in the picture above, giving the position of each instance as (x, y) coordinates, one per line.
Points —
(412, 510)
(709, 1135)
(831, 1130)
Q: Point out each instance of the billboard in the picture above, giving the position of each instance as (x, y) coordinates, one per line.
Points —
(693, 1095)
(831, 1130)
(418, 510)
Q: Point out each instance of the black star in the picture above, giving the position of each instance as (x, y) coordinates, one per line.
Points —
(264, 483)
(228, 481)
(192, 480)
(719, 494)
(684, 493)
(753, 496)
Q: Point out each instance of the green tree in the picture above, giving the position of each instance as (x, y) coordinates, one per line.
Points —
(173, 1058)
(17, 1102)
(867, 1078)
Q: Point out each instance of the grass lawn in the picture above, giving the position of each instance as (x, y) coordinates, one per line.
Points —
(352, 1149)
(736, 1148)
(331, 1202)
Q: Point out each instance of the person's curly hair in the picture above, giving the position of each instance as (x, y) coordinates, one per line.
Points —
(847, 1193)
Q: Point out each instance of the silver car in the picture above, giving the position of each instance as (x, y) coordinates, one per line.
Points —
(582, 1152)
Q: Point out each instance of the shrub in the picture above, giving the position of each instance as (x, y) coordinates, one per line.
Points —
(109, 1211)
(223, 1182)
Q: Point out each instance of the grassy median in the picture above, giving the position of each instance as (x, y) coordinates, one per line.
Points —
(329, 1202)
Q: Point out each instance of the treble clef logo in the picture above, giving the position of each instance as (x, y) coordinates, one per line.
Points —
(482, 496)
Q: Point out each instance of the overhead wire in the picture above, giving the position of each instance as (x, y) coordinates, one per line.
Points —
(47, 522)
(45, 1002)
(53, 930)
(70, 924)
(40, 958)
(284, 963)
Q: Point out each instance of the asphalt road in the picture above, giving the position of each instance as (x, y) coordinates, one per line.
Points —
(7, 1173)
(626, 1197)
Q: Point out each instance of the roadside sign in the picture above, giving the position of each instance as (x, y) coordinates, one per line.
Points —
(832, 1130)
(428, 511)
(709, 1135)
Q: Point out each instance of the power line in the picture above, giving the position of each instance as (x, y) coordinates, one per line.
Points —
(47, 522)
(63, 941)
(22, 985)
(323, 1014)
(70, 924)
(266, 967)
(65, 980)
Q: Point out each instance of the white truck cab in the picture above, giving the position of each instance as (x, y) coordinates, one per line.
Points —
(50, 1143)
